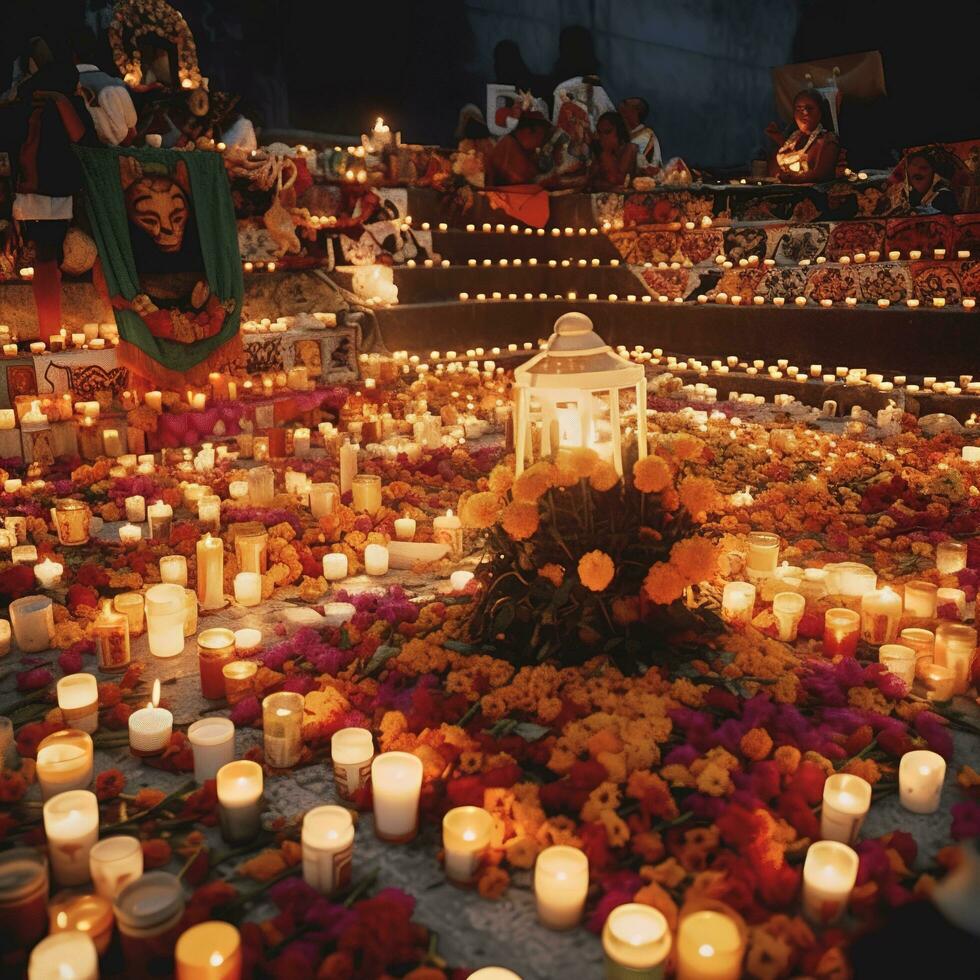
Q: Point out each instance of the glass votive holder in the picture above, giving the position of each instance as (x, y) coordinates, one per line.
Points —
(282, 727)
(90, 915)
(23, 896)
(113, 863)
(239, 678)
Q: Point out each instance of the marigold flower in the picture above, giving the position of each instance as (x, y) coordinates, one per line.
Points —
(604, 476)
(521, 851)
(596, 570)
(756, 744)
(481, 510)
(520, 519)
(534, 482)
(501, 479)
(663, 584)
(654, 895)
(787, 758)
(699, 496)
(578, 461)
(651, 474)
(109, 784)
(555, 574)
(695, 558)
(492, 883)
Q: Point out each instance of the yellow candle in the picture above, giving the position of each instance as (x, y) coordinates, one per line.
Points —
(112, 639)
(89, 914)
(709, 947)
(829, 873)
(465, 839)
(956, 647)
(173, 569)
(366, 490)
(920, 599)
(324, 498)
(950, 557)
(396, 778)
(71, 824)
(880, 614)
(209, 951)
(282, 725)
(405, 528)
(65, 955)
(210, 572)
(165, 616)
(376, 559)
(763, 554)
(561, 882)
(846, 801)
(239, 786)
(328, 848)
(636, 941)
(130, 604)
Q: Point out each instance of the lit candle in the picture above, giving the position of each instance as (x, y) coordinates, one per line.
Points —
(900, 660)
(209, 511)
(173, 568)
(737, 603)
(846, 800)
(64, 956)
(788, 608)
(376, 559)
(150, 728)
(636, 941)
(282, 728)
(335, 567)
(111, 631)
(366, 492)
(239, 786)
(938, 681)
(213, 743)
(130, 534)
(920, 780)
(209, 951)
(494, 972)
(829, 873)
(248, 588)
(348, 465)
(64, 762)
(112, 443)
(881, 611)
(950, 557)
(71, 824)
(136, 509)
(396, 779)
(48, 573)
(239, 678)
(710, 946)
(561, 882)
(448, 530)
(130, 604)
(165, 616)
(324, 498)
(763, 554)
(405, 528)
(459, 580)
(154, 400)
(210, 572)
(351, 752)
(247, 641)
(465, 839)
(32, 622)
(159, 518)
(956, 646)
(328, 848)
(952, 597)
(78, 698)
(920, 599)
(252, 547)
(215, 648)
(113, 863)
(261, 486)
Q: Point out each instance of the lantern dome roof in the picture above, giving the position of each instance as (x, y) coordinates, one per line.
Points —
(575, 356)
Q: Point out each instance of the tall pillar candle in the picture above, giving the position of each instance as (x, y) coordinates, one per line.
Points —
(396, 780)
(111, 631)
(636, 940)
(920, 780)
(829, 873)
(71, 825)
(351, 753)
(846, 801)
(165, 616)
(376, 559)
(282, 728)
(210, 572)
(348, 466)
(136, 509)
(78, 698)
(239, 787)
(209, 951)
(561, 883)
(327, 840)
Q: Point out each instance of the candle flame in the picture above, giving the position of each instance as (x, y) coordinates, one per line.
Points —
(155, 698)
(62, 920)
(216, 959)
(469, 835)
(449, 513)
(706, 949)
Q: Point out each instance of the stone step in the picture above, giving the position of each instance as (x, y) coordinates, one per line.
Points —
(458, 245)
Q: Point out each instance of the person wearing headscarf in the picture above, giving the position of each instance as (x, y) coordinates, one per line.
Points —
(812, 152)
(927, 187)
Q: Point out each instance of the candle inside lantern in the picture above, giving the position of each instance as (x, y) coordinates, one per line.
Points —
(165, 616)
(282, 724)
(71, 824)
(324, 498)
(763, 554)
(846, 801)
(881, 611)
(955, 648)
(65, 956)
(465, 838)
(261, 486)
(210, 572)
(64, 762)
(737, 603)
(396, 779)
(351, 752)
(209, 951)
(920, 780)
(150, 728)
(328, 848)
(112, 646)
(841, 632)
(24, 902)
(252, 548)
(710, 946)
(248, 588)
(113, 863)
(561, 882)
(159, 518)
(636, 941)
(829, 873)
(78, 698)
(239, 786)
(89, 914)
(215, 648)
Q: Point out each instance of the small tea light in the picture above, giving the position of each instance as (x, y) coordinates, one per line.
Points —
(130, 534)
(351, 752)
(239, 786)
(247, 642)
(150, 728)
(846, 801)
(208, 951)
(561, 882)
(328, 848)
(213, 744)
(396, 779)
(405, 528)
(710, 946)
(376, 559)
(920, 780)
(465, 838)
(635, 939)
(113, 863)
(829, 873)
(459, 580)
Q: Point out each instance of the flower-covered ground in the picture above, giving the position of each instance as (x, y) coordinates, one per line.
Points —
(700, 777)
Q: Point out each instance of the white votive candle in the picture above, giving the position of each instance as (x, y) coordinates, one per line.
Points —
(32, 622)
(396, 779)
(846, 801)
(920, 599)
(248, 588)
(829, 873)
(561, 882)
(213, 744)
(247, 641)
(67, 955)
(136, 509)
(48, 573)
(920, 780)
(165, 611)
(950, 557)
(405, 528)
(636, 941)
(64, 762)
(239, 787)
(71, 824)
(328, 848)
(788, 608)
(113, 863)
(465, 838)
(881, 611)
(335, 567)
(710, 946)
(351, 752)
(900, 661)
(78, 698)
(376, 559)
(150, 728)
(173, 570)
(737, 603)
(460, 579)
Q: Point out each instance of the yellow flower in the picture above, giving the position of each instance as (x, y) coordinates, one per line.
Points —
(651, 474)
(535, 481)
(521, 851)
(481, 510)
(501, 479)
(756, 744)
(699, 496)
(578, 460)
(555, 574)
(695, 558)
(604, 476)
(520, 519)
(596, 570)
(663, 584)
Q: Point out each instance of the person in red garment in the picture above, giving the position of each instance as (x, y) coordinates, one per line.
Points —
(513, 160)
(615, 160)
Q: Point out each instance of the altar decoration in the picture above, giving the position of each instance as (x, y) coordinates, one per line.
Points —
(164, 225)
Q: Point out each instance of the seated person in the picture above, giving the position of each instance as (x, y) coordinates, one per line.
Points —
(615, 155)
(812, 153)
(927, 187)
(634, 111)
(514, 159)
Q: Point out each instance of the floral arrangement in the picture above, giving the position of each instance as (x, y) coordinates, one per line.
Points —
(580, 561)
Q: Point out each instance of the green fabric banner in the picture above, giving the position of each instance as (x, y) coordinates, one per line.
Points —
(111, 209)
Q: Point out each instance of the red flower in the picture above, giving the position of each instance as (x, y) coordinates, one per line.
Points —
(595, 844)
(32, 734)
(793, 807)
(16, 582)
(465, 791)
(34, 680)
(117, 717)
(82, 595)
(808, 780)
(587, 775)
(92, 575)
(109, 784)
(202, 804)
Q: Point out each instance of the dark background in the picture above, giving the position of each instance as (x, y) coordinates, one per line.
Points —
(333, 65)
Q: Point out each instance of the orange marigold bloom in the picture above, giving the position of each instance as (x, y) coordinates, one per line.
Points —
(501, 479)
(865, 768)
(578, 461)
(695, 558)
(604, 476)
(756, 744)
(520, 520)
(596, 570)
(492, 883)
(651, 474)
(481, 510)
(686, 446)
(663, 584)
(699, 496)
(521, 851)
(787, 759)
(555, 574)
(535, 481)
(109, 784)
(156, 853)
